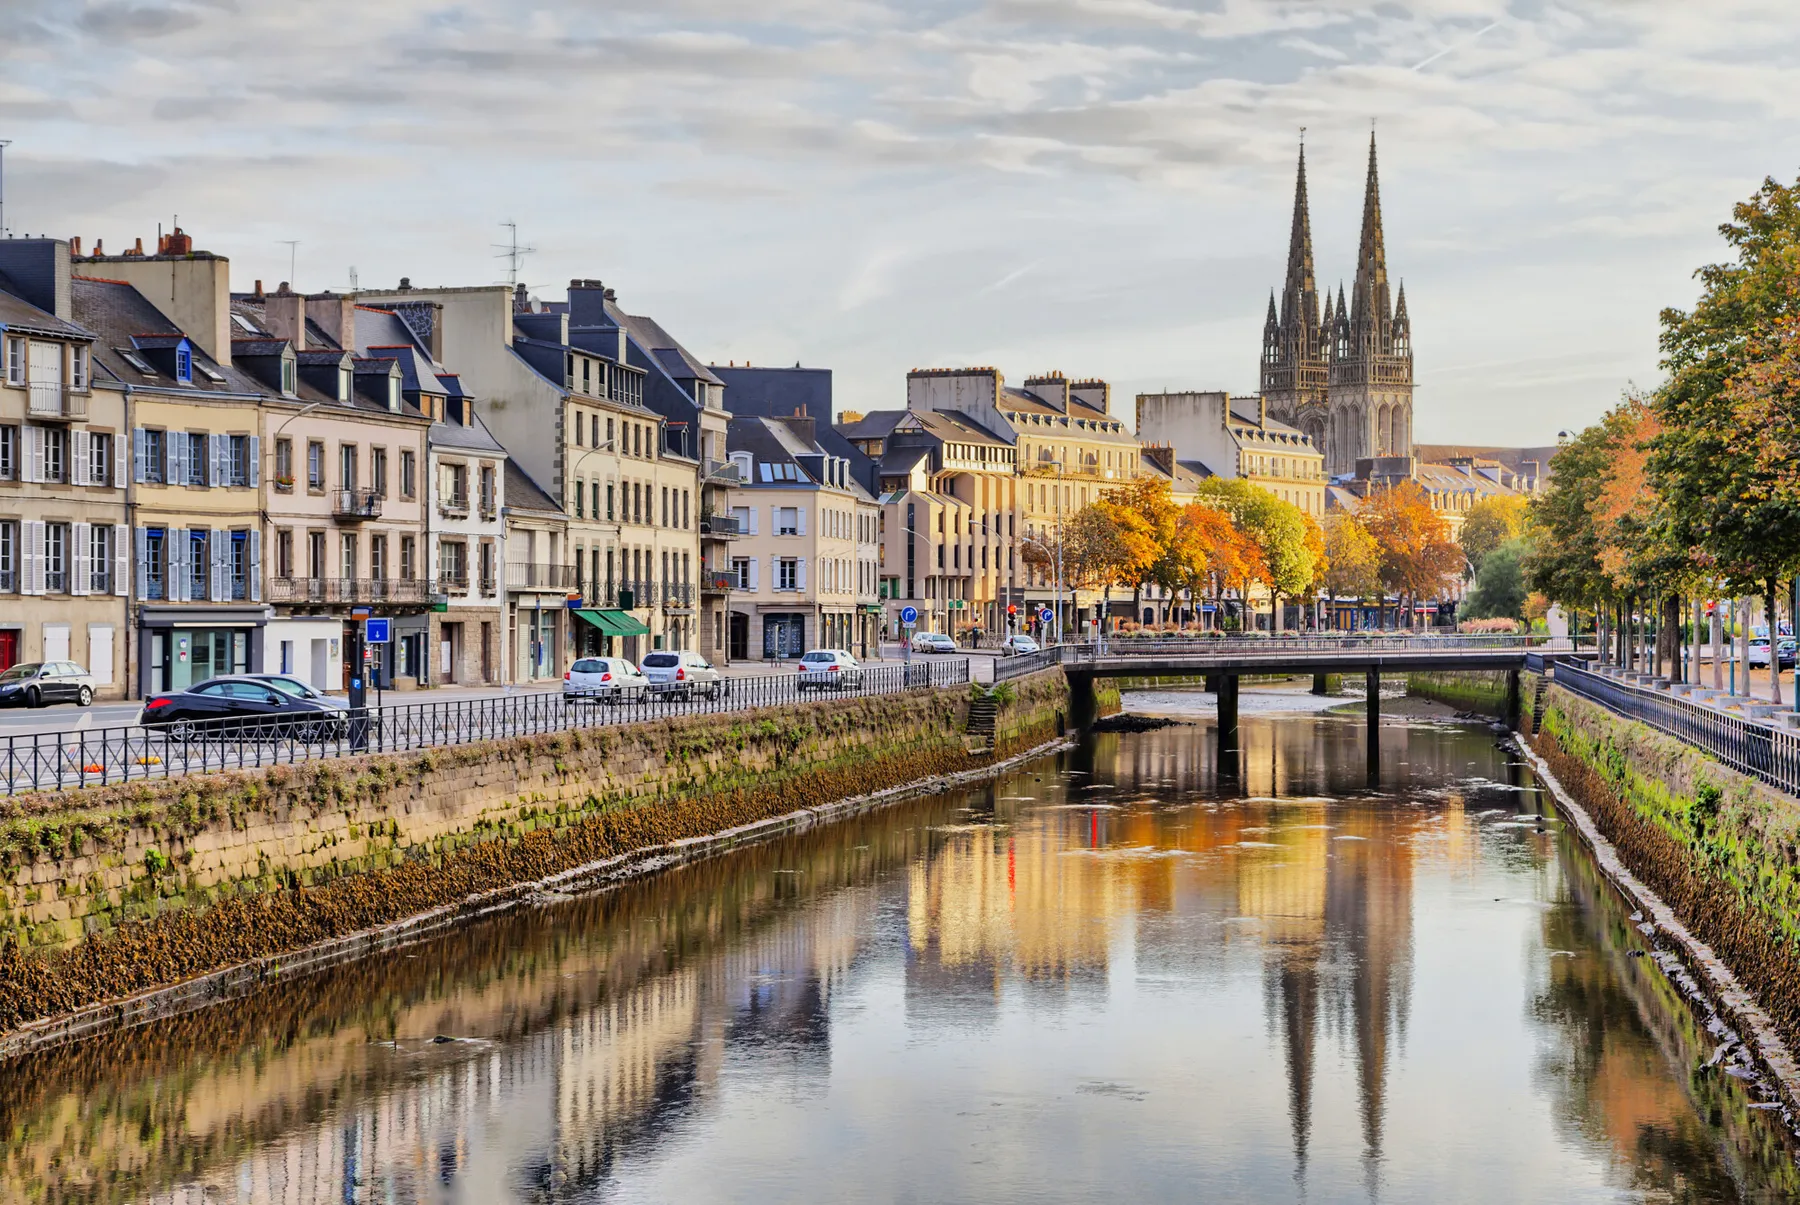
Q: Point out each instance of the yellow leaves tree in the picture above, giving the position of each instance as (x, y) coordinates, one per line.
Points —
(1417, 555)
(1353, 556)
(1492, 522)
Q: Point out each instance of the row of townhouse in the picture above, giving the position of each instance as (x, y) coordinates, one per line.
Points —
(196, 481)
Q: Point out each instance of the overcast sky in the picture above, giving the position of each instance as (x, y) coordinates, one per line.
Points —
(1100, 187)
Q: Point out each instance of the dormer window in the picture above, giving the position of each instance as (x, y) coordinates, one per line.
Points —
(289, 385)
(394, 394)
(345, 379)
(184, 364)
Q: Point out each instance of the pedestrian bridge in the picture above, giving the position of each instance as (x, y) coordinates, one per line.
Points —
(1224, 660)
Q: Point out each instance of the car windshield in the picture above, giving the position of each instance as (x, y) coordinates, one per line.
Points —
(293, 687)
(588, 665)
(20, 672)
(661, 661)
(818, 657)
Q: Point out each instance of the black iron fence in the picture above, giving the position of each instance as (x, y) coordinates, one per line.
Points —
(1747, 743)
(95, 756)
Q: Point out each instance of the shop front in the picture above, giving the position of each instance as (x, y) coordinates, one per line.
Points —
(179, 646)
(604, 633)
(784, 635)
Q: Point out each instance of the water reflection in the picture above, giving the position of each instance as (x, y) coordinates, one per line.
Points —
(1104, 976)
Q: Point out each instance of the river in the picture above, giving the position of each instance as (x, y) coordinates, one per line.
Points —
(1108, 976)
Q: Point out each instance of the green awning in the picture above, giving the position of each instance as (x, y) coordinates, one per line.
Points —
(615, 623)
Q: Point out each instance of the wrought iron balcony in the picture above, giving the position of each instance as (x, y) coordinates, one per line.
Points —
(522, 576)
(624, 596)
(677, 595)
(721, 527)
(347, 590)
(55, 400)
(720, 581)
(453, 581)
(454, 504)
(355, 505)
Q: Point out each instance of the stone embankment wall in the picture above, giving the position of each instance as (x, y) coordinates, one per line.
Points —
(1482, 691)
(1719, 847)
(116, 890)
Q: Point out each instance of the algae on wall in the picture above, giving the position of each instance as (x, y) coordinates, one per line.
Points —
(1482, 691)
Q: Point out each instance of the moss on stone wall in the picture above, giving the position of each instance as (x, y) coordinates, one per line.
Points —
(1482, 691)
(117, 865)
(1720, 848)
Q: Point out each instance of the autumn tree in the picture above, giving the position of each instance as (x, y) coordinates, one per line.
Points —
(1279, 531)
(1352, 556)
(1417, 555)
(1106, 544)
(1491, 522)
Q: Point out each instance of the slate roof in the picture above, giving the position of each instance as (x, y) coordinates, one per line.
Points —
(17, 314)
(476, 438)
(772, 442)
(123, 319)
(877, 424)
(676, 360)
(522, 493)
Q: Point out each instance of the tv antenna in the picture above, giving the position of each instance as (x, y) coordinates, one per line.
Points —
(512, 253)
(293, 246)
(4, 143)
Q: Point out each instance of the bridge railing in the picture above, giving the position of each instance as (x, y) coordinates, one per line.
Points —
(1742, 742)
(1307, 642)
(1030, 663)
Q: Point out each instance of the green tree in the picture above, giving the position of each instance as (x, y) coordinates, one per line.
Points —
(1289, 557)
(1500, 590)
(1352, 556)
(1490, 523)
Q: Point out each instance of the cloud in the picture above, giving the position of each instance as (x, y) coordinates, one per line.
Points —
(125, 20)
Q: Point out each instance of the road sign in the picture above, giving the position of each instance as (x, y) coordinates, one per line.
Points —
(909, 615)
(1047, 615)
(375, 631)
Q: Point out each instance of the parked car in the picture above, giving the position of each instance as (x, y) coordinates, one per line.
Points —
(289, 685)
(41, 683)
(604, 680)
(682, 675)
(1016, 644)
(1759, 652)
(830, 669)
(239, 704)
(933, 642)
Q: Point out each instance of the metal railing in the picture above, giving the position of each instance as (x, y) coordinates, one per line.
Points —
(721, 581)
(95, 756)
(454, 504)
(1743, 742)
(347, 590)
(721, 526)
(677, 594)
(522, 576)
(1158, 646)
(356, 504)
(1027, 663)
(52, 399)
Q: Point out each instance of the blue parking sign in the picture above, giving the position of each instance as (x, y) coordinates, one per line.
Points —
(909, 615)
(375, 631)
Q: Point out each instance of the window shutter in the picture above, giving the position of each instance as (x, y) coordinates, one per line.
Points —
(800, 520)
(752, 587)
(775, 573)
(755, 526)
(34, 558)
(137, 454)
(255, 460)
(219, 545)
(218, 453)
(80, 448)
(34, 454)
(800, 572)
(181, 551)
(121, 546)
(255, 570)
(143, 554)
(177, 453)
(118, 461)
(81, 580)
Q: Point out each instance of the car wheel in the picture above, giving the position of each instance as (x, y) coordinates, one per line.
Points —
(181, 730)
(34, 697)
(85, 697)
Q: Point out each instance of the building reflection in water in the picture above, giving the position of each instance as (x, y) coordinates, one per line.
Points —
(582, 1040)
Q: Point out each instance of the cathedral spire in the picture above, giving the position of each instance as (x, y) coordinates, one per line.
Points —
(1371, 313)
(1300, 295)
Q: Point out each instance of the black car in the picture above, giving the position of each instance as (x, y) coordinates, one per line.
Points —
(242, 705)
(41, 683)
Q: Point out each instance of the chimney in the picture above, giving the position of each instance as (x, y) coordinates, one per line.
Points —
(193, 289)
(39, 267)
(75, 245)
(335, 314)
(284, 315)
(139, 248)
(180, 243)
(258, 294)
(99, 247)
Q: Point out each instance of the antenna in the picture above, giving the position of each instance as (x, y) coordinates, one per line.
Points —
(353, 278)
(293, 254)
(512, 252)
(4, 143)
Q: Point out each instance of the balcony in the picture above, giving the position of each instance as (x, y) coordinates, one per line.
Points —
(355, 505)
(521, 576)
(677, 596)
(721, 527)
(625, 596)
(348, 590)
(54, 400)
(721, 472)
(488, 508)
(454, 505)
(453, 581)
(720, 581)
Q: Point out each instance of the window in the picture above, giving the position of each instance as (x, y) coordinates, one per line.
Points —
(609, 428)
(347, 556)
(787, 574)
(378, 563)
(393, 394)
(154, 561)
(237, 463)
(580, 429)
(408, 545)
(378, 475)
(453, 565)
(740, 573)
(665, 506)
(456, 486)
(9, 453)
(487, 566)
(79, 367)
(238, 566)
(284, 463)
(184, 364)
(315, 465)
(288, 382)
(347, 468)
(581, 499)
(196, 459)
(284, 553)
(15, 360)
(407, 474)
(345, 382)
(100, 458)
(787, 521)
(56, 454)
(487, 492)
(155, 456)
(315, 554)
(199, 565)
(609, 500)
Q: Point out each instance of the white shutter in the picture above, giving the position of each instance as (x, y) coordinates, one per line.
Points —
(138, 458)
(79, 450)
(34, 454)
(255, 569)
(175, 539)
(218, 450)
(755, 523)
(177, 449)
(82, 536)
(143, 556)
(255, 460)
(800, 572)
(218, 543)
(754, 563)
(122, 557)
(801, 512)
(118, 480)
(34, 558)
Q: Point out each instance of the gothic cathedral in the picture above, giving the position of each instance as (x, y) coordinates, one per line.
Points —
(1344, 379)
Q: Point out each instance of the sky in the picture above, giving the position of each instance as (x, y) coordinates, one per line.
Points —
(1097, 187)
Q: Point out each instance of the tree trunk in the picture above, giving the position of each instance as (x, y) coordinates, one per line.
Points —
(1770, 601)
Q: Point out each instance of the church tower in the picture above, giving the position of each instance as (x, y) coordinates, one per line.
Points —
(1296, 348)
(1371, 363)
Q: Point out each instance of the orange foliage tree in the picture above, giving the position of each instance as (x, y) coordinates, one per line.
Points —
(1417, 554)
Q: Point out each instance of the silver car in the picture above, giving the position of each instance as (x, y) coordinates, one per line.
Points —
(41, 683)
(604, 680)
(830, 669)
(682, 675)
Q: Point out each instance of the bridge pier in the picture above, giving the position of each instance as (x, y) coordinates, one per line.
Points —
(1319, 685)
(1513, 703)
(1372, 689)
(1228, 725)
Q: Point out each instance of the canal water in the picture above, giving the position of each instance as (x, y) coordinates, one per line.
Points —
(1109, 976)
